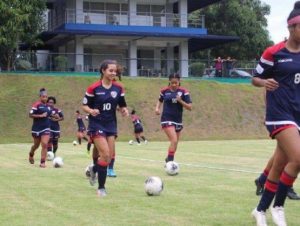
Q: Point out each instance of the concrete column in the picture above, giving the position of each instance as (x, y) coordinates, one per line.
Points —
(170, 59)
(183, 13)
(79, 54)
(183, 59)
(132, 64)
(79, 11)
(131, 12)
(157, 59)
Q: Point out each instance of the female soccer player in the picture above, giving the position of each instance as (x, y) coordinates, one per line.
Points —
(54, 125)
(174, 98)
(40, 113)
(101, 101)
(81, 127)
(279, 72)
(138, 127)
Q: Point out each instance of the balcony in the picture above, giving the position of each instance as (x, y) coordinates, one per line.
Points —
(119, 18)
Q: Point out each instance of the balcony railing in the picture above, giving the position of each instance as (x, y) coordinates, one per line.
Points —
(125, 18)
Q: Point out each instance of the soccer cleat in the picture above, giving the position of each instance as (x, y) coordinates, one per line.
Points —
(278, 215)
(146, 142)
(138, 143)
(259, 187)
(260, 217)
(292, 194)
(31, 159)
(43, 165)
(166, 159)
(111, 173)
(101, 192)
(92, 178)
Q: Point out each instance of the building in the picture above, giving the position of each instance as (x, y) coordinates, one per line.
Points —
(148, 37)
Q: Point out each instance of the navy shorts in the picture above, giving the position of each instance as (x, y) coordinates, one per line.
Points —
(100, 133)
(40, 134)
(178, 127)
(54, 135)
(138, 128)
(275, 129)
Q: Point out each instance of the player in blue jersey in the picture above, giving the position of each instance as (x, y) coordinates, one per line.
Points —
(81, 131)
(279, 72)
(101, 101)
(54, 125)
(40, 113)
(173, 98)
(138, 127)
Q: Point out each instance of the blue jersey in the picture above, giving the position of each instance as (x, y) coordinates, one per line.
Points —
(172, 110)
(40, 124)
(54, 125)
(106, 101)
(282, 104)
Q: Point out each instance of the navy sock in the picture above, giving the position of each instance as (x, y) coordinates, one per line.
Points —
(89, 146)
(262, 178)
(137, 140)
(102, 171)
(267, 196)
(111, 164)
(281, 194)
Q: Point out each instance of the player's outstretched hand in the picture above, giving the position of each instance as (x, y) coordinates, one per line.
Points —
(157, 111)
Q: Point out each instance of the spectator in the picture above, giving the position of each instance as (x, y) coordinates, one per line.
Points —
(228, 66)
(218, 66)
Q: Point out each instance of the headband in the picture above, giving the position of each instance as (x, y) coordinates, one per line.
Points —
(43, 93)
(294, 20)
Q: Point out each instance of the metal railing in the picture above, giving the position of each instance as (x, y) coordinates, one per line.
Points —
(79, 16)
(146, 67)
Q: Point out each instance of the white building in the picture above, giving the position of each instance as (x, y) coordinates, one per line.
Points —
(148, 37)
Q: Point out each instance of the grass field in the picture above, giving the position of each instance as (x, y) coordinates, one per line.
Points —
(214, 187)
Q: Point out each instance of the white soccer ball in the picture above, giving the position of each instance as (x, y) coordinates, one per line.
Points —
(50, 155)
(58, 162)
(153, 186)
(74, 142)
(172, 168)
(131, 142)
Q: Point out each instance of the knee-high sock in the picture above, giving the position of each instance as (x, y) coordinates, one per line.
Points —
(112, 162)
(171, 154)
(286, 181)
(55, 145)
(102, 172)
(267, 196)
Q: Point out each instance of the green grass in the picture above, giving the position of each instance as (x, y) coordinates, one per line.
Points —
(214, 187)
(220, 110)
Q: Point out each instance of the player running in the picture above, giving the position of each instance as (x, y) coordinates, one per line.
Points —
(40, 131)
(101, 101)
(138, 128)
(279, 72)
(54, 125)
(81, 131)
(174, 98)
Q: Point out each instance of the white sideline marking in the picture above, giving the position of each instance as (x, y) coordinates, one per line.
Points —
(195, 165)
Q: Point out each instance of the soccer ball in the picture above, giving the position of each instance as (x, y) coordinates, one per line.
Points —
(172, 168)
(131, 142)
(58, 162)
(153, 186)
(50, 155)
(74, 142)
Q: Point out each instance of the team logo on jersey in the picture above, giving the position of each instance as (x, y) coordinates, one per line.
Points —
(84, 101)
(179, 94)
(113, 94)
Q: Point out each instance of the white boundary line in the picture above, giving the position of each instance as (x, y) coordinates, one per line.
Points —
(194, 165)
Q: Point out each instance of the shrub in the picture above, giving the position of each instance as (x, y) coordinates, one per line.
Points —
(60, 63)
(196, 69)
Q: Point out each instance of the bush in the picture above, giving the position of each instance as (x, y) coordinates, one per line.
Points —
(23, 65)
(196, 69)
(60, 63)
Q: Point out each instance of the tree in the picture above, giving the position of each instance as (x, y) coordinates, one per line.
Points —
(243, 18)
(20, 22)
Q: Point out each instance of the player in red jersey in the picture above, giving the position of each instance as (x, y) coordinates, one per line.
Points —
(40, 113)
(101, 101)
(279, 72)
(173, 98)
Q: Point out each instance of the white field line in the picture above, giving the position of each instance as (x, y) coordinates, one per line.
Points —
(193, 165)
